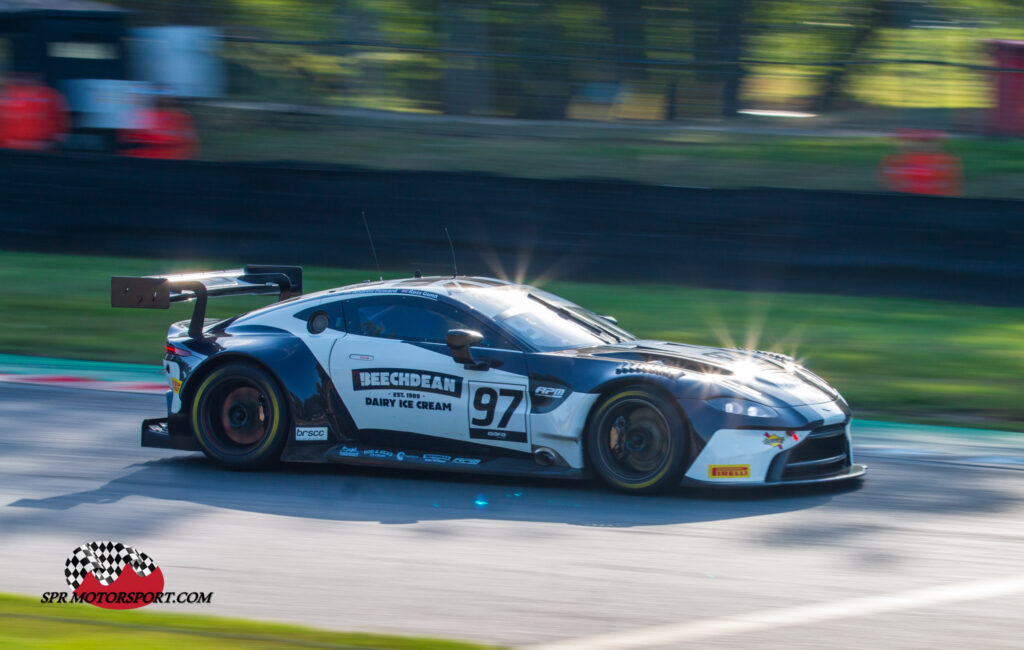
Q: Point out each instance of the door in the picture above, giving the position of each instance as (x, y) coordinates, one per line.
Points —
(395, 374)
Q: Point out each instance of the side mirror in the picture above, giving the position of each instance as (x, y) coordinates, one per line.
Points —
(614, 321)
(459, 342)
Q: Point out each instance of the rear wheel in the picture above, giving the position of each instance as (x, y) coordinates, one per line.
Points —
(238, 416)
(637, 442)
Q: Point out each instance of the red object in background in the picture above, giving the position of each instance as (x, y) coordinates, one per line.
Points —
(1008, 114)
(923, 172)
(32, 116)
(922, 167)
(165, 133)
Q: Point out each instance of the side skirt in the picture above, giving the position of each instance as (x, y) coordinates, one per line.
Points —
(379, 456)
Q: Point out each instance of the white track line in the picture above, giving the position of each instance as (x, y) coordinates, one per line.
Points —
(673, 635)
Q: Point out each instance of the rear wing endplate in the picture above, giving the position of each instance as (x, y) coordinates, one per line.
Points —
(159, 291)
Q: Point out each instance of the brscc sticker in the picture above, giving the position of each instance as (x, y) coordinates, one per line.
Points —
(310, 433)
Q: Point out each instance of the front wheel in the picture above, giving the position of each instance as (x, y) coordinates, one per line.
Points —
(238, 416)
(637, 441)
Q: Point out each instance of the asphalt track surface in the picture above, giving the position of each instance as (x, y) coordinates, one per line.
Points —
(926, 553)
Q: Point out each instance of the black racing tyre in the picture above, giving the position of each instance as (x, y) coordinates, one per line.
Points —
(637, 441)
(239, 418)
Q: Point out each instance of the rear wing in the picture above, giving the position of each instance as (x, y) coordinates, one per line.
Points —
(159, 291)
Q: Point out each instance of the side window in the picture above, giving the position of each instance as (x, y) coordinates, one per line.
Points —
(336, 313)
(409, 318)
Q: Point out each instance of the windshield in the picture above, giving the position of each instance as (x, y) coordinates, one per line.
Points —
(545, 320)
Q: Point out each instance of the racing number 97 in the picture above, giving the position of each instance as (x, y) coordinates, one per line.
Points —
(486, 400)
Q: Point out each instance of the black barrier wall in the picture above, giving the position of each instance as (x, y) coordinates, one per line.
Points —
(957, 249)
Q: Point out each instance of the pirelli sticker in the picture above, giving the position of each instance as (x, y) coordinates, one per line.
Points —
(728, 471)
(420, 380)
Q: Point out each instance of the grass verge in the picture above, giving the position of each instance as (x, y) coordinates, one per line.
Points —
(27, 623)
(894, 359)
(708, 156)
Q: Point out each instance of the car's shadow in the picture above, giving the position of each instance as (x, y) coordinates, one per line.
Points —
(396, 496)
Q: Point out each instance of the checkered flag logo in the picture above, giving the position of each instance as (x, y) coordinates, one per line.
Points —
(106, 561)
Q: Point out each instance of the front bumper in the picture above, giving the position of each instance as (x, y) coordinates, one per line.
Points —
(819, 451)
(854, 471)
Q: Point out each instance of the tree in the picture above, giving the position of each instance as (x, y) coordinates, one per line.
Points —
(732, 48)
(867, 19)
(625, 20)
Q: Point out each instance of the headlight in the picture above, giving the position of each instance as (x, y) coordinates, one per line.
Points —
(743, 407)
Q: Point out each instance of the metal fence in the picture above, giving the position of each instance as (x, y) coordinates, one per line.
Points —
(763, 239)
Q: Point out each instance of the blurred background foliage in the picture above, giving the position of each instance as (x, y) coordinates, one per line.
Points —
(728, 92)
(601, 59)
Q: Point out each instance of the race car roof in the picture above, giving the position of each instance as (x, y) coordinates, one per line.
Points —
(446, 285)
(434, 284)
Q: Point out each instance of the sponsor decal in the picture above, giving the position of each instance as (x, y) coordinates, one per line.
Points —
(425, 405)
(423, 380)
(421, 405)
(467, 461)
(728, 471)
(497, 412)
(310, 433)
(400, 455)
(378, 453)
(349, 451)
(113, 575)
(491, 434)
(548, 391)
(407, 292)
(175, 385)
(773, 440)
(436, 458)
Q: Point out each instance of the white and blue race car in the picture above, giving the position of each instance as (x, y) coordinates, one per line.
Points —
(481, 375)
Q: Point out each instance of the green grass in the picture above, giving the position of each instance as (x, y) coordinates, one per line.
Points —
(896, 359)
(656, 154)
(27, 623)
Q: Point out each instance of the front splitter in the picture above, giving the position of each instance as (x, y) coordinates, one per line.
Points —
(855, 471)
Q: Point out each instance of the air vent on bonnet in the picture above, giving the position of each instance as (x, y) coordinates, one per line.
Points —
(672, 362)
